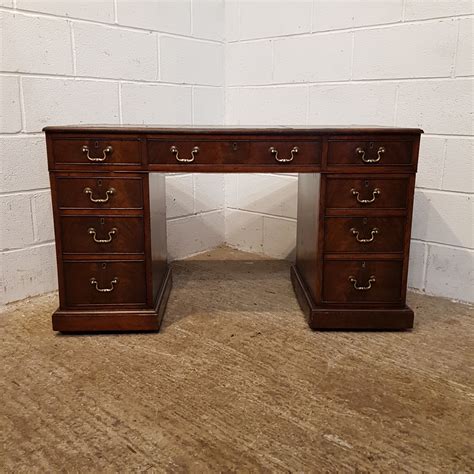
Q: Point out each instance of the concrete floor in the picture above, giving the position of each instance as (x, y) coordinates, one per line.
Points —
(236, 381)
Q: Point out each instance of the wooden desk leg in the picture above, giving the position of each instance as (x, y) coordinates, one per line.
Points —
(348, 307)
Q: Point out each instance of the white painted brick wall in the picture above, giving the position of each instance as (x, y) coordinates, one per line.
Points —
(189, 61)
(361, 62)
(156, 103)
(427, 50)
(98, 10)
(268, 62)
(338, 14)
(45, 45)
(68, 101)
(330, 58)
(208, 105)
(164, 15)
(102, 61)
(10, 107)
(103, 51)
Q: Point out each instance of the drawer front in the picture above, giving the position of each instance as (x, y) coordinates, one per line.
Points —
(99, 193)
(380, 152)
(97, 151)
(197, 152)
(364, 234)
(99, 235)
(357, 281)
(285, 152)
(367, 193)
(235, 152)
(104, 283)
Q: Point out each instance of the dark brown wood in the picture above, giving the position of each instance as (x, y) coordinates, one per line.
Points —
(102, 234)
(341, 234)
(127, 192)
(340, 198)
(130, 288)
(116, 320)
(355, 317)
(309, 152)
(396, 151)
(386, 192)
(209, 151)
(125, 151)
(338, 288)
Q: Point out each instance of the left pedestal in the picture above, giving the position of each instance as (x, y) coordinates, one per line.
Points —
(110, 232)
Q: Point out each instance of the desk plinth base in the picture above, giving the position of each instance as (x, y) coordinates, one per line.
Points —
(327, 317)
(100, 320)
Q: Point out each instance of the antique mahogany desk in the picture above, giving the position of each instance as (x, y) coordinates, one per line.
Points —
(355, 200)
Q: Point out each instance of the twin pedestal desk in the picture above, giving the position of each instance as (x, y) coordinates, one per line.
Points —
(355, 201)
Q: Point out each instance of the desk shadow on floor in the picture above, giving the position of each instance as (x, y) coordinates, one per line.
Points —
(217, 287)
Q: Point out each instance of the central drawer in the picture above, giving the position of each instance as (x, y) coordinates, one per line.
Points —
(364, 234)
(102, 234)
(104, 283)
(197, 151)
(284, 152)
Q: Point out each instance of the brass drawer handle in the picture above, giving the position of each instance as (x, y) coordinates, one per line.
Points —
(373, 232)
(361, 152)
(108, 193)
(274, 151)
(94, 282)
(375, 193)
(106, 151)
(111, 233)
(362, 288)
(174, 150)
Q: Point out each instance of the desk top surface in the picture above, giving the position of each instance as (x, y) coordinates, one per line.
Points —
(255, 129)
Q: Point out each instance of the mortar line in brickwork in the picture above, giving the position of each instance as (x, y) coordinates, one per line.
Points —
(120, 102)
(445, 154)
(101, 79)
(445, 191)
(456, 47)
(22, 104)
(118, 26)
(426, 256)
(34, 222)
(352, 54)
(158, 57)
(73, 48)
(28, 247)
(23, 192)
(348, 29)
(21, 134)
(263, 214)
(448, 135)
(194, 214)
(439, 244)
(348, 82)
(395, 105)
